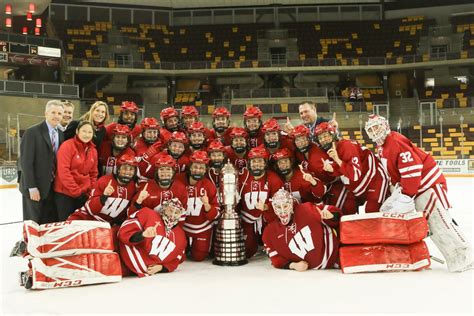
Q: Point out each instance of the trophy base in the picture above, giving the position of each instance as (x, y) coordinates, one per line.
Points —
(229, 263)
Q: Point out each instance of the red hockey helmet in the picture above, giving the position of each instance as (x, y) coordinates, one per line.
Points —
(178, 137)
(166, 113)
(216, 145)
(197, 127)
(238, 132)
(165, 160)
(121, 130)
(300, 130)
(129, 106)
(258, 152)
(199, 156)
(149, 123)
(127, 159)
(253, 112)
(271, 126)
(282, 154)
(221, 111)
(189, 110)
(323, 128)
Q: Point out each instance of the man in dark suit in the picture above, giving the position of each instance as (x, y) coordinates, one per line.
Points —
(38, 149)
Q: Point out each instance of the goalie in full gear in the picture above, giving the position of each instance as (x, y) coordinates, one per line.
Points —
(419, 185)
(305, 235)
(151, 241)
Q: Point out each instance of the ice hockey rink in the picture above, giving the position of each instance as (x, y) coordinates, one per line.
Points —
(255, 288)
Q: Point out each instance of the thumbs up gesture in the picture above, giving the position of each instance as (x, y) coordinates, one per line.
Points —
(325, 214)
(327, 165)
(143, 194)
(205, 201)
(288, 127)
(307, 176)
(333, 154)
(151, 231)
(109, 189)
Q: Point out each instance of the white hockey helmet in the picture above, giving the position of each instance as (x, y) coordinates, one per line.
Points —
(282, 202)
(171, 211)
(377, 128)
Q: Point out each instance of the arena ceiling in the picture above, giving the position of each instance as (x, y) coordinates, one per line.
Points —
(183, 4)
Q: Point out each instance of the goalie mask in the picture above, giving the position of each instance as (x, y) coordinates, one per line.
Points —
(377, 128)
(171, 211)
(282, 203)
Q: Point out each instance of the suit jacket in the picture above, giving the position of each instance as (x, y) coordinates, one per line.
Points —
(37, 159)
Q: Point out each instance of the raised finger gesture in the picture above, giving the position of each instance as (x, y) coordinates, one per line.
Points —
(109, 189)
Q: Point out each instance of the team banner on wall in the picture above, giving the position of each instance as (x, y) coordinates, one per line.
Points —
(456, 166)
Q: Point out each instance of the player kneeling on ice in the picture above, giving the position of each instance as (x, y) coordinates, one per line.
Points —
(151, 241)
(305, 235)
(419, 185)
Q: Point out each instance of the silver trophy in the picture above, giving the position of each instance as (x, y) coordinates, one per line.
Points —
(229, 245)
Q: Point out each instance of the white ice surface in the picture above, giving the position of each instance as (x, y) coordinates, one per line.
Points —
(254, 288)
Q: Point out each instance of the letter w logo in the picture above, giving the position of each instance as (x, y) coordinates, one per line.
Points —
(302, 243)
(161, 247)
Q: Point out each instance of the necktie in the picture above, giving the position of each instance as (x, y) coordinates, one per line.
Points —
(53, 139)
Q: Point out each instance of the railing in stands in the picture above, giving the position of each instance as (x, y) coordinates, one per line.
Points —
(39, 89)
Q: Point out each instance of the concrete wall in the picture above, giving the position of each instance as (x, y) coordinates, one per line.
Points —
(29, 110)
(441, 14)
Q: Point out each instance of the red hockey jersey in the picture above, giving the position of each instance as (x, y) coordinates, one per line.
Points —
(313, 162)
(255, 141)
(306, 237)
(252, 190)
(302, 190)
(414, 169)
(167, 248)
(197, 219)
(224, 138)
(358, 168)
(239, 163)
(107, 209)
(108, 162)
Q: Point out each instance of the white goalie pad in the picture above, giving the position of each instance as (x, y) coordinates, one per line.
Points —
(445, 233)
(67, 238)
(50, 273)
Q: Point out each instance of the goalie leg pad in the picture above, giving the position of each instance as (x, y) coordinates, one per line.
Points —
(67, 238)
(445, 233)
(50, 273)
(385, 228)
(382, 258)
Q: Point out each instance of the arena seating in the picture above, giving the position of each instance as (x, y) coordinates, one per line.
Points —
(235, 46)
(449, 96)
(371, 96)
(464, 24)
(456, 144)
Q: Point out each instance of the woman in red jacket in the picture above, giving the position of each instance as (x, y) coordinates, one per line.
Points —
(76, 170)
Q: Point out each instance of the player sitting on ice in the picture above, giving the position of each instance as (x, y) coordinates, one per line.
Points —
(419, 185)
(305, 235)
(151, 241)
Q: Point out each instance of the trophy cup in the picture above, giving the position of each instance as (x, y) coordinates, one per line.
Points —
(229, 246)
